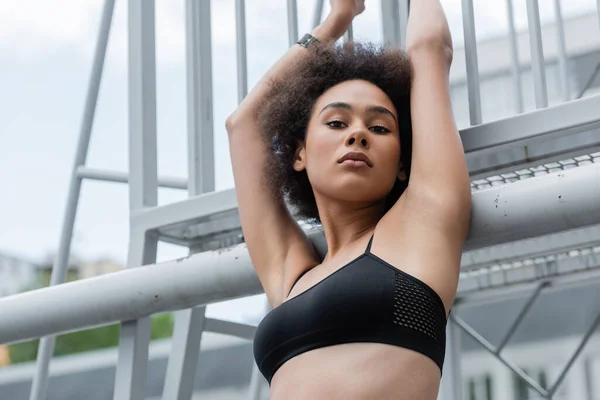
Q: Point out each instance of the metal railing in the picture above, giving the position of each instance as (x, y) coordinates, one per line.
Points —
(564, 200)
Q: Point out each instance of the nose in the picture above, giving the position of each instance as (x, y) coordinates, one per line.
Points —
(357, 136)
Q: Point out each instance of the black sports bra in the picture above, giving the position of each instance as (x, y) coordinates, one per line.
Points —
(367, 300)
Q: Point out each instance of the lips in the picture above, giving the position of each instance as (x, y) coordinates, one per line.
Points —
(356, 156)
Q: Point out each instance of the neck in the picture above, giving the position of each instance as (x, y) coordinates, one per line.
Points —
(346, 223)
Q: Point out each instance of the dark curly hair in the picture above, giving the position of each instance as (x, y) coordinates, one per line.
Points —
(286, 111)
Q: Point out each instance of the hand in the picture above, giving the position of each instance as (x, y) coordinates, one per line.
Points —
(347, 8)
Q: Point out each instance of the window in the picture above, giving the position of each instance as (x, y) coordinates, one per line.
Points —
(480, 387)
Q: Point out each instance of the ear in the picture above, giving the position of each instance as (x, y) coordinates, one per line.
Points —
(401, 173)
(300, 158)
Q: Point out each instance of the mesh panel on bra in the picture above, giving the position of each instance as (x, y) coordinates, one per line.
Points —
(415, 308)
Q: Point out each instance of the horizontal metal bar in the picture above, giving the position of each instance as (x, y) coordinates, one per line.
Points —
(531, 248)
(516, 157)
(563, 119)
(243, 331)
(202, 207)
(500, 214)
(499, 285)
(123, 177)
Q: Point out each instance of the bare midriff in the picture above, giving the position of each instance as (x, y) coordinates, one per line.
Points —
(357, 371)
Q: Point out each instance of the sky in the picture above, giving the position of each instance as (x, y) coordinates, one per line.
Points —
(46, 50)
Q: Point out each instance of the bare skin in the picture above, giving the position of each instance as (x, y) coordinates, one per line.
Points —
(422, 234)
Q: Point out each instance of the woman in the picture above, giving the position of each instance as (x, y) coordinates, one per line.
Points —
(339, 131)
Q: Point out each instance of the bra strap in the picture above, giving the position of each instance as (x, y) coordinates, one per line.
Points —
(368, 250)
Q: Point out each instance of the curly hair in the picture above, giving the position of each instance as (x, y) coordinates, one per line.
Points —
(283, 117)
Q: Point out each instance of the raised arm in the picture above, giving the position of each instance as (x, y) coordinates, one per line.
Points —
(439, 175)
(278, 247)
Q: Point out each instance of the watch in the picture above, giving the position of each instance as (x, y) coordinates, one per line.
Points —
(307, 40)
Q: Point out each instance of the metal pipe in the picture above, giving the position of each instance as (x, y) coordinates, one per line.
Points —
(292, 18)
(537, 54)
(508, 213)
(59, 269)
(562, 53)
(563, 201)
(123, 177)
(514, 55)
(242, 63)
(472, 63)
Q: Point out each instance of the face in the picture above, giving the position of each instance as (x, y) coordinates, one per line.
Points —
(353, 116)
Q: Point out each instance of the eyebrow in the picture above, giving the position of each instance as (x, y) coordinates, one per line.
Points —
(370, 109)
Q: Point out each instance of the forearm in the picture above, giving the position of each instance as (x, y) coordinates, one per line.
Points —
(428, 28)
(328, 32)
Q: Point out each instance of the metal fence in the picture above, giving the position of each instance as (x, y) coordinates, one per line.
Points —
(566, 199)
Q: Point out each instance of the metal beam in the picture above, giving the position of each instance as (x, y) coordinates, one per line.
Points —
(551, 122)
(532, 248)
(240, 43)
(190, 323)
(390, 18)
(537, 54)
(292, 19)
(134, 337)
(472, 63)
(514, 56)
(510, 281)
(562, 53)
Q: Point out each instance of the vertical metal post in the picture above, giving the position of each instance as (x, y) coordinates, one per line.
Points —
(537, 54)
(451, 384)
(130, 379)
(403, 11)
(598, 9)
(59, 269)
(318, 13)
(349, 35)
(514, 55)
(189, 324)
(201, 164)
(562, 53)
(390, 17)
(292, 15)
(242, 65)
(472, 62)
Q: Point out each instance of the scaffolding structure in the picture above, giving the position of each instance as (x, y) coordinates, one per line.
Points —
(516, 245)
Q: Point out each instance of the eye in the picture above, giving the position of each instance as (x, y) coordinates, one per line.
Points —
(335, 124)
(380, 129)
